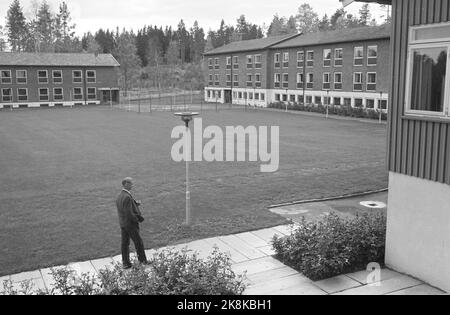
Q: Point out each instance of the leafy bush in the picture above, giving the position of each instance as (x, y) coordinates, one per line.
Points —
(169, 273)
(334, 246)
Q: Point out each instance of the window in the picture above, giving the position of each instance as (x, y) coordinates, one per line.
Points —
(338, 57)
(300, 99)
(357, 81)
(358, 56)
(77, 76)
(370, 103)
(240, 95)
(347, 101)
(6, 76)
(382, 104)
(228, 62)
(317, 100)
(236, 62)
(91, 94)
(371, 81)
(310, 58)
(285, 97)
(277, 60)
(216, 79)
(286, 60)
(210, 64)
(235, 80)
(57, 76)
(21, 76)
(216, 64)
(285, 80)
(327, 57)
(292, 98)
(43, 94)
(91, 76)
(258, 62)
(7, 95)
(249, 62)
(310, 80)
(326, 81)
(257, 96)
(338, 80)
(249, 80)
(277, 80)
(308, 99)
(428, 83)
(337, 101)
(209, 94)
(22, 94)
(250, 96)
(300, 59)
(277, 97)
(263, 96)
(77, 94)
(43, 76)
(372, 55)
(258, 79)
(299, 80)
(358, 102)
(58, 94)
(210, 80)
(228, 79)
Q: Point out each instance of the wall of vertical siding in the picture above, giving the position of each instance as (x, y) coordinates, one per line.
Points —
(417, 147)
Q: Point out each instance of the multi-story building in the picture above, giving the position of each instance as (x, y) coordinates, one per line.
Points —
(344, 67)
(37, 79)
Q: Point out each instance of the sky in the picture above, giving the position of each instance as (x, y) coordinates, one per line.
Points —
(91, 15)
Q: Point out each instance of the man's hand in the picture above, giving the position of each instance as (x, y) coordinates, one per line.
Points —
(140, 218)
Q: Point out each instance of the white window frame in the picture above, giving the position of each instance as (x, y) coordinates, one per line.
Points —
(53, 77)
(228, 60)
(95, 76)
(368, 57)
(277, 59)
(73, 76)
(26, 77)
(285, 81)
(10, 96)
(216, 63)
(354, 82)
(300, 75)
(95, 93)
(250, 58)
(54, 94)
(302, 59)
(82, 94)
(276, 76)
(10, 77)
(286, 60)
(256, 77)
(421, 44)
(337, 82)
(331, 56)
(341, 58)
(18, 95)
(251, 77)
(358, 58)
(256, 57)
(48, 94)
(309, 81)
(38, 77)
(307, 56)
(367, 81)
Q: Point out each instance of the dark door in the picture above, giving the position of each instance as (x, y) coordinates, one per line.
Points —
(228, 97)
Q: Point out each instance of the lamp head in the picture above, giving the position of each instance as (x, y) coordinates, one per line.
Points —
(186, 117)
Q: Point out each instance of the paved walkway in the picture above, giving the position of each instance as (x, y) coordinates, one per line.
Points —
(252, 253)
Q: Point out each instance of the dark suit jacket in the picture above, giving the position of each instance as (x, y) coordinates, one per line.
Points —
(129, 213)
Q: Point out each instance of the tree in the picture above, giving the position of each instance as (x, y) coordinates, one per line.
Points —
(64, 30)
(45, 28)
(2, 39)
(16, 26)
(126, 54)
(198, 42)
(277, 26)
(307, 19)
(337, 19)
(173, 53)
(324, 24)
(364, 15)
(387, 17)
(90, 45)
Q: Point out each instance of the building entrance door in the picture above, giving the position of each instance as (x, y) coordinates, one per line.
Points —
(228, 97)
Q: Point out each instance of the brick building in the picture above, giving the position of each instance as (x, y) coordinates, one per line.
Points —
(344, 67)
(47, 80)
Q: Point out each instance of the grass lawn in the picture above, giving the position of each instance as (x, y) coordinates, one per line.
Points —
(61, 171)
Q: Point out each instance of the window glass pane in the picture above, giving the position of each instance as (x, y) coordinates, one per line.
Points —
(428, 79)
(432, 32)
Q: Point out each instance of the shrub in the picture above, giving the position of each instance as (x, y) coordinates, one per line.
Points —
(334, 246)
(169, 273)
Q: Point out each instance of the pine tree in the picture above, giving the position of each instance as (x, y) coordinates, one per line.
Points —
(45, 28)
(64, 30)
(16, 26)
(324, 24)
(307, 19)
(364, 15)
(126, 54)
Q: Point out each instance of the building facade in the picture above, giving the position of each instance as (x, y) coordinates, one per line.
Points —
(418, 225)
(345, 67)
(47, 80)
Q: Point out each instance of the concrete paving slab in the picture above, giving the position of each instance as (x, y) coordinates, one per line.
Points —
(35, 285)
(252, 239)
(47, 277)
(270, 275)
(267, 234)
(337, 284)
(26, 276)
(285, 229)
(291, 285)
(384, 287)
(236, 256)
(257, 266)
(363, 276)
(242, 247)
(202, 248)
(84, 267)
(422, 289)
(268, 250)
(103, 263)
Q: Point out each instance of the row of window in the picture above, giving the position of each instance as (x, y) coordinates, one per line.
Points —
(43, 76)
(44, 95)
(253, 61)
(337, 101)
(358, 57)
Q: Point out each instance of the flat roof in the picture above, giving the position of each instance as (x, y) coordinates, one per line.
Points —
(57, 60)
(345, 35)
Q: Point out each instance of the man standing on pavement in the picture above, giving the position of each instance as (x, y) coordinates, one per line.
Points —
(129, 219)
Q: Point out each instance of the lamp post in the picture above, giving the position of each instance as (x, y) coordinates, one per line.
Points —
(328, 102)
(187, 117)
(287, 100)
(380, 107)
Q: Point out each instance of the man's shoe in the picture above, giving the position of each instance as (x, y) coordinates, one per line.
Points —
(126, 267)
